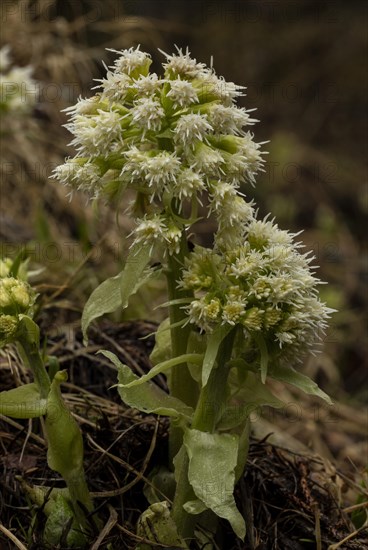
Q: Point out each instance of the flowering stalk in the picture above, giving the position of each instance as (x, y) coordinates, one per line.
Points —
(241, 312)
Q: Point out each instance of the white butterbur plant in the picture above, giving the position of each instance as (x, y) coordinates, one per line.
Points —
(241, 312)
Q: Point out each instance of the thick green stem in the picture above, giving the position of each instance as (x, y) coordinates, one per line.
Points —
(209, 408)
(182, 384)
(30, 355)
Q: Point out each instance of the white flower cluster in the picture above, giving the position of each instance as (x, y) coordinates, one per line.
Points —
(167, 137)
(265, 285)
(18, 90)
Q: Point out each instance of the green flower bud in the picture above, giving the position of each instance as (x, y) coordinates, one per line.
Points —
(8, 328)
(16, 296)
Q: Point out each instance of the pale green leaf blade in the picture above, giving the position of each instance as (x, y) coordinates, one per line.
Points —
(105, 298)
(195, 506)
(64, 438)
(131, 276)
(213, 343)
(290, 376)
(23, 402)
(211, 473)
(115, 292)
(250, 397)
(148, 397)
(166, 365)
(162, 350)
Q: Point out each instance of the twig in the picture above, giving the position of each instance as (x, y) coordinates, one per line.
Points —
(12, 537)
(29, 431)
(338, 544)
(355, 507)
(20, 428)
(143, 540)
(139, 474)
(107, 528)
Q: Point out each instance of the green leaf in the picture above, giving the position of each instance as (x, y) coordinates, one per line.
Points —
(249, 397)
(65, 443)
(161, 485)
(211, 473)
(23, 402)
(162, 350)
(105, 298)
(290, 376)
(195, 506)
(61, 523)
(131, 276)
(148, 397)
(65, 448)
(166, 365)
(213, 343)
(114, 293)
(196, 344)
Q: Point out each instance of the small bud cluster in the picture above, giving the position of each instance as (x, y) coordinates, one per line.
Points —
(170, 138)
(16, 299)
(265, 285)
(18, 90)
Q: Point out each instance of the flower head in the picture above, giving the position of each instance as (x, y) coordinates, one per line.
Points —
(191, 129)
(168, 136)
(148, 113)
(132, 62)
(259, 290)
(182, 65)
(182, 93)
(115, 87)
